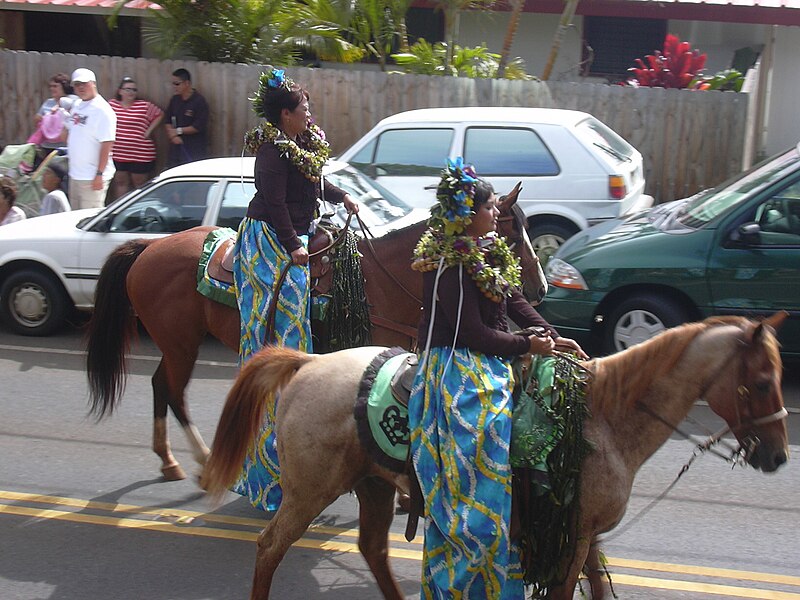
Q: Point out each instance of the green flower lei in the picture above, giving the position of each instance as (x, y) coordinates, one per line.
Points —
(489, 261)
(309, 160)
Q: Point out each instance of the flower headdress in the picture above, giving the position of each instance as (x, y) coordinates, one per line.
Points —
(456, 197)
(308, 152)
(272, 79)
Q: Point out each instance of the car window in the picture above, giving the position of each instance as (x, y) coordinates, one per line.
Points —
(364, 156)
(779, 218)
(599, 134)
(497, 151)
(411, 152)
(169, 208)
(707, 206)
(234, 203)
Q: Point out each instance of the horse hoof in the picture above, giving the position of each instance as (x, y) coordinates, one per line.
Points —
(403, 503)
(173, 473)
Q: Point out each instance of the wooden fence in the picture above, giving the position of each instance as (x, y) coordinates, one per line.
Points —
(689, 140)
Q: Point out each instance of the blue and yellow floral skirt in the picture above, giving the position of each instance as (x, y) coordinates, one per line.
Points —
(259, 260)
(460, 419)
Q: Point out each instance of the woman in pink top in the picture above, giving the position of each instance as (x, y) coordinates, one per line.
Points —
(134, 150)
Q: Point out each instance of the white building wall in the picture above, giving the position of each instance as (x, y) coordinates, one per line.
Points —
(783, 125)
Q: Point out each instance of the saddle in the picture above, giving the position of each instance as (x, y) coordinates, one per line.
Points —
(220, 265)
(403, 378)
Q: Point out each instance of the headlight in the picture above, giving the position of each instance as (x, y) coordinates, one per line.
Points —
(562, 274)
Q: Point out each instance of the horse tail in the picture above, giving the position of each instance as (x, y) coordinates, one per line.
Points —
(253, 391)
(110, 329)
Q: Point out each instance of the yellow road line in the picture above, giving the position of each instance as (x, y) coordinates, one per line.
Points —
(703, 588)
(184, 518)
(704, 571)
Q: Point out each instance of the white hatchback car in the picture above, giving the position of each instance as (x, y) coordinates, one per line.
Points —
(575, 171)
(49, 265)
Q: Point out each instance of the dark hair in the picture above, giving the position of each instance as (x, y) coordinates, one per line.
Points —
(276, 99)
(8, 187)
(63, 79)
(124, 80)
(182, 74)
(57, 170)
(483, 191)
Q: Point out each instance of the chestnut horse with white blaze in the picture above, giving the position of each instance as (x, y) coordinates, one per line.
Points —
(731, 362)
(156, 282)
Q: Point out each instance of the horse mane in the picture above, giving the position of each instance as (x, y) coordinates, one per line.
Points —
(623, 378)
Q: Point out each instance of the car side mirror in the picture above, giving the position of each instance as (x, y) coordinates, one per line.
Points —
(747, 234)
(103, 225)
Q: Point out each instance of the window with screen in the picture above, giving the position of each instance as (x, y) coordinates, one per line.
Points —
(611, 44)
(497, 151)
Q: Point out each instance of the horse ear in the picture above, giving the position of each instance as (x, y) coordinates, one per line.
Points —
(508, 200)
(773, 322)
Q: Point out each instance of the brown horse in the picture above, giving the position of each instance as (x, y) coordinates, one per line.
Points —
(156, 281)
(732, 363)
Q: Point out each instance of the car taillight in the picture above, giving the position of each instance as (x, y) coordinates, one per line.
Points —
(616, 187)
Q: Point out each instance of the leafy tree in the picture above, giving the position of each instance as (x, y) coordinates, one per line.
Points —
(248, 31)
(424, 58)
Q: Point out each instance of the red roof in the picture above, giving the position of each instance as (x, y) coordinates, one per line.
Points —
(79, 5)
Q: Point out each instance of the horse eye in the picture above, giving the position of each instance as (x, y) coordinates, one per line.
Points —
(763, 386)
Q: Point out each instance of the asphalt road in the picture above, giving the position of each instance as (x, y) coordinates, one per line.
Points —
(84, 513)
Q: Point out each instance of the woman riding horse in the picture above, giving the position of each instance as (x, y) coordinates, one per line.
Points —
(271, 256)
(460, 405)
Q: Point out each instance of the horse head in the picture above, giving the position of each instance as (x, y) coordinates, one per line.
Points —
(511, 225)
(750, 397)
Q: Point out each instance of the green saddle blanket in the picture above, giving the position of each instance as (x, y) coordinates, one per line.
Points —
(382, 421)
(214, 289)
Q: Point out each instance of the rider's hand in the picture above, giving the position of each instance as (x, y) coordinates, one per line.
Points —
(570, 345)
(351, 205)
(300, 256)
(541, 345)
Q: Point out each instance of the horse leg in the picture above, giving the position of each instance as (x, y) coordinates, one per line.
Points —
(566, 590)
(595, 572)
(170, 468)
(376, 502)
(287, 526)
(175, 378)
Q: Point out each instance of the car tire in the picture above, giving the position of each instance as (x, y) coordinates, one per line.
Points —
(546, 238)
(639, 318)
(33, 303)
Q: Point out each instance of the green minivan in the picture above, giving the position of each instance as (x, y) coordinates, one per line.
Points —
(731, 250)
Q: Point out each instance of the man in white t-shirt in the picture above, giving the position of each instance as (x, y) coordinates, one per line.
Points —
(91, 126)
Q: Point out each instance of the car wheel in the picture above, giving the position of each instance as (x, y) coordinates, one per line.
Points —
(33, 303)
(640, 318)
(546, 238)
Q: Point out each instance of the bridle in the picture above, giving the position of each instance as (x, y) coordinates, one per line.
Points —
(739, 455)
(748, 444)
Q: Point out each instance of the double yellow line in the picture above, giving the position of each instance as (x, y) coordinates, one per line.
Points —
(186, 522)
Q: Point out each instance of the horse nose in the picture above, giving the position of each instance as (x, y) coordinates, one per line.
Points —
(780, 458)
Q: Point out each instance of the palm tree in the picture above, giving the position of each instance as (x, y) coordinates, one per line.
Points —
(452, 11)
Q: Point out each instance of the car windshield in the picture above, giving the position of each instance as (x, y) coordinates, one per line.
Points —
(382, 207)
(707, 206)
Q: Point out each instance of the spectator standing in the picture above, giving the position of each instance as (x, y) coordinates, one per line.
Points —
(134, 150)
(55, 201)
(92, 126)
(8, 195)
(61, 96)
(186, 122)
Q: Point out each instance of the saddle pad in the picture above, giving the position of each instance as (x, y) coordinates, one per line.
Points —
(382, 421)
(214, 289)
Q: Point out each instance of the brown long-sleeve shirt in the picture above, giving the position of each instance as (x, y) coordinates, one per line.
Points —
(483, 326)
(285, 198)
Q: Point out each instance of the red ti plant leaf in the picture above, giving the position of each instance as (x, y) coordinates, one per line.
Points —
(674, 67)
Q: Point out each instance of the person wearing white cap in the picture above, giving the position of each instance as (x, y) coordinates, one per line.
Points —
(92, 126)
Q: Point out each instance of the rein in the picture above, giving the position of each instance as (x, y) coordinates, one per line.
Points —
(273, 302)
